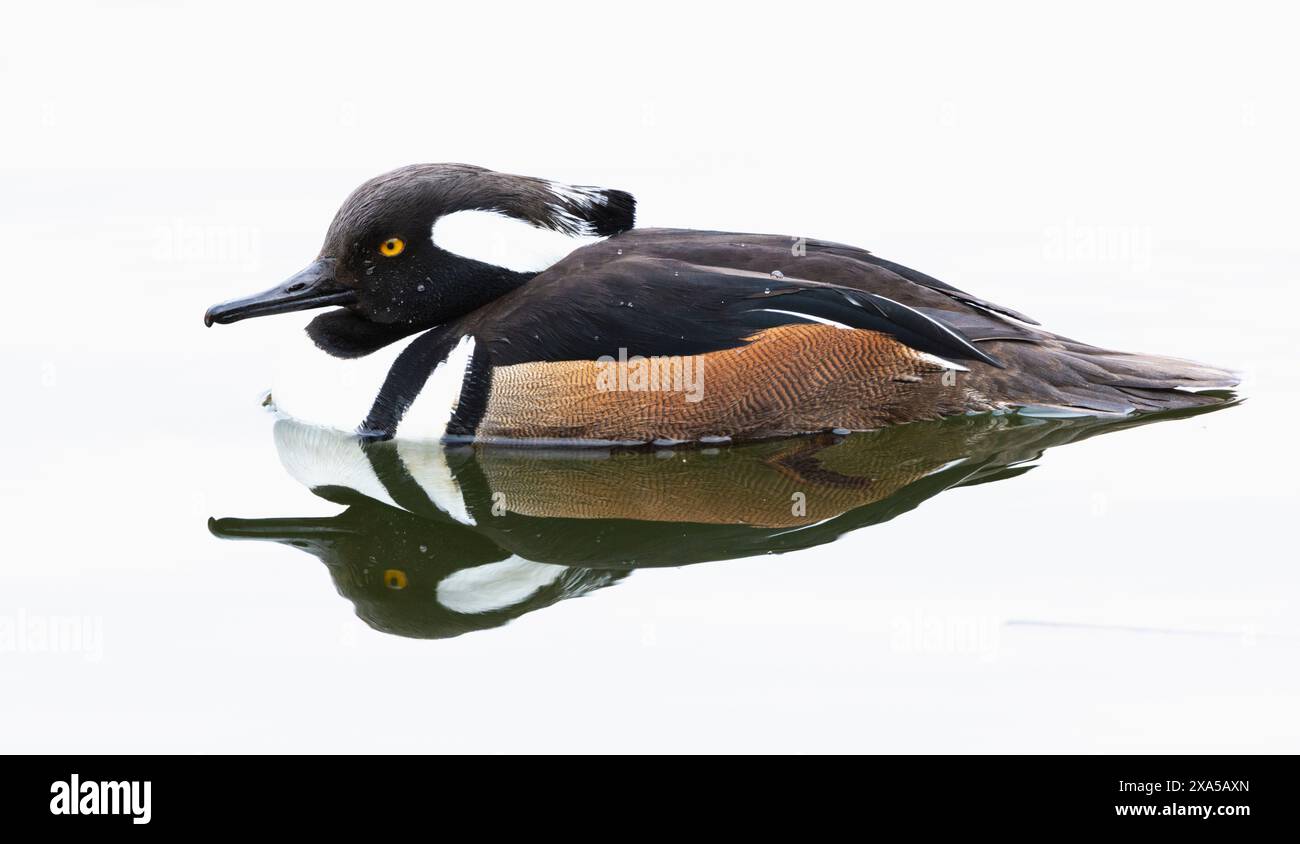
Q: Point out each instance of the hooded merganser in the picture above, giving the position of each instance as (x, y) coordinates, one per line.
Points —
(440, 540)
(662, 335)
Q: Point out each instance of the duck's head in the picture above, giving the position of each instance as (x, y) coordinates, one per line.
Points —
(414, 576)
(390, 274)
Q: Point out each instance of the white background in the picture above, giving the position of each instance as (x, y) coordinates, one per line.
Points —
(1125, 173)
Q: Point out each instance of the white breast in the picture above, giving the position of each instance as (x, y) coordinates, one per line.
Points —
(319, 389)
(323, 390)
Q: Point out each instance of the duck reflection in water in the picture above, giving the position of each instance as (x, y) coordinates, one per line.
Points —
(437, 540)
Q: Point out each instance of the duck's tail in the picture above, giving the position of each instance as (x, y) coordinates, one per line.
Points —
(1067, 377)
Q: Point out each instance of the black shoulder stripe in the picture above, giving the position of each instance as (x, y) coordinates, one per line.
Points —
(474, 393)
(404, 382)
(927, 327)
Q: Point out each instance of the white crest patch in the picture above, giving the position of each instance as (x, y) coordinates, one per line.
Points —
(504, 241)
(429, 414)
(495, 586)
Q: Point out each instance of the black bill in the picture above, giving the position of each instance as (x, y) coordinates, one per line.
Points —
(313, 287)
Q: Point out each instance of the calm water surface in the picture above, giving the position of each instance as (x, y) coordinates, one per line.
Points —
(238, 582)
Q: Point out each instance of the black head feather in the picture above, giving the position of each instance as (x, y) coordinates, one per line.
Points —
(427, 191)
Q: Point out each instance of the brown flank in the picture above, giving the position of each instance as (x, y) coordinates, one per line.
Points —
(791, 379)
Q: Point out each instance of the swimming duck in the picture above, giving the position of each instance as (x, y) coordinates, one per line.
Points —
(627, 335)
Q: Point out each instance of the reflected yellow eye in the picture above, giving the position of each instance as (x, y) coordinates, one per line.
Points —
(392, 247)
(395, 578)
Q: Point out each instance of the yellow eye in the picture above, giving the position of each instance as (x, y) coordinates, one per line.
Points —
(395, 578)
(392, 247)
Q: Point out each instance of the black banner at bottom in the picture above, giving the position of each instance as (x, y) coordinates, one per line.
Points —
(1167, 794)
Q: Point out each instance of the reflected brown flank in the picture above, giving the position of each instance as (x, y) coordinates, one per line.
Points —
(448, 540)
